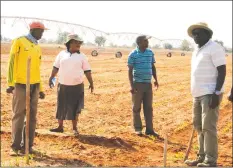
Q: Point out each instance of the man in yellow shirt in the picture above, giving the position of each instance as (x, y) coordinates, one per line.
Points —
(21, 49)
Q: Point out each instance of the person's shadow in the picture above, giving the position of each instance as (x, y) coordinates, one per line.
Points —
(161, 140)
(57, 161)
(113, 142)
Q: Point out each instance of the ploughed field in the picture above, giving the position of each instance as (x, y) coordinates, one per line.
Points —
(105, 125)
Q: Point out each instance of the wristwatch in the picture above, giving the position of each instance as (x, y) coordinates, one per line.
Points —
(217, 92)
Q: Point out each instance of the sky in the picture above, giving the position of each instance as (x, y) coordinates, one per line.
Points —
(162, 19)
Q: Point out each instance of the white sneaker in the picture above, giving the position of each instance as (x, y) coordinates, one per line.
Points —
(138, 133)
(75, 132)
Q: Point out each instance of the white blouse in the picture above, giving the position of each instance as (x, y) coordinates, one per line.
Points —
(71, 67)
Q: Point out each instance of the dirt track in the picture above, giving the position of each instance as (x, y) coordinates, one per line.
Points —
(105, 125)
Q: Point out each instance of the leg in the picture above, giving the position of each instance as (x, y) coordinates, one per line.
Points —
(197, 123)
(59, 128)
(60, 124)
(34, 95)
(137, 100)
(33, 112)
(75, 130)
(74, 123)
(80, 92)
(209, 126)
(148, 109)
(19, 111)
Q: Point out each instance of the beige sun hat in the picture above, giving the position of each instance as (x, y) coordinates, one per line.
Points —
(73, 37)
(200, 25)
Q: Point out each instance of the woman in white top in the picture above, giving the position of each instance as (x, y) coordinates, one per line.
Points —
(71, 65)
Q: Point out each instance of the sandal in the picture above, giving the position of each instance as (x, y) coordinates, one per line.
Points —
(57, 130)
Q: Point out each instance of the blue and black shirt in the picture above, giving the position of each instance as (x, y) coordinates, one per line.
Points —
(142, 65)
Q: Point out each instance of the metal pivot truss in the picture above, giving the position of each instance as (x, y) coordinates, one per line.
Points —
(92, 37)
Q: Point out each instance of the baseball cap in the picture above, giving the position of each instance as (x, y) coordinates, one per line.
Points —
(142, 37)
(37, 25)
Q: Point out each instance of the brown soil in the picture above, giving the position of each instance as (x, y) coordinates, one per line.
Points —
(106, 135)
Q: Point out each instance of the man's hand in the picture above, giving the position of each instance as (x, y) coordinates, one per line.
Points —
(214, 101)
(91, 86)
(230, 97)
(10, 89)
(156, 84)
(133, 90)
(41, 95)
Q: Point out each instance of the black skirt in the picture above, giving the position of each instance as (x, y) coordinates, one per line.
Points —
(70, 101)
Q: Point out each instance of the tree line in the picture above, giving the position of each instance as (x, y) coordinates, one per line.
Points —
(101, 40)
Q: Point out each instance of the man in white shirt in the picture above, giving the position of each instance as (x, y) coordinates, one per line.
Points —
(207, 79)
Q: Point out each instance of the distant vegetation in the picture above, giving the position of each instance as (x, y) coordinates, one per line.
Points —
(168, 46)
(101, 40)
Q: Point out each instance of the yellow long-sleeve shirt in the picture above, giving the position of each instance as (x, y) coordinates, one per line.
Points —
(20, 50)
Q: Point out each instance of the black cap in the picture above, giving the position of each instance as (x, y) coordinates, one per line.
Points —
(142, 37)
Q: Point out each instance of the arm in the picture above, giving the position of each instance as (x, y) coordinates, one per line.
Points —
(41, 86)
(41, 82)
(221, 77)
(10, 72)
(154, 72)
(54, 72)
(220, 80)
(89, 78)
(87, 71)
(130, 76)
(56, 66)
(41, 89)
(130, 71)
(156, 83)
(219, 61)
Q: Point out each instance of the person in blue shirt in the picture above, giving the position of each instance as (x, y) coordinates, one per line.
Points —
(141, 69)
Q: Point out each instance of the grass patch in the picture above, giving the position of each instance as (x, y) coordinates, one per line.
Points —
(182, 126)
(227, 128)
(196, 147)
(177, 156)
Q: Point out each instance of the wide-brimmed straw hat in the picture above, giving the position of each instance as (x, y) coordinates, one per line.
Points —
(200, 25)
(73, 37)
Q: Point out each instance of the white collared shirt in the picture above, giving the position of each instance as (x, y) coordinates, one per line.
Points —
(71, 67)
(205, 61)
